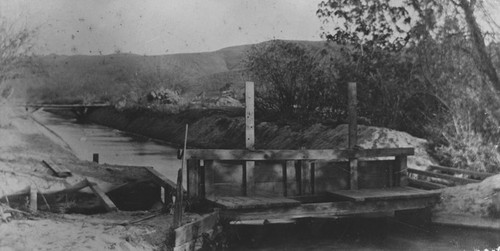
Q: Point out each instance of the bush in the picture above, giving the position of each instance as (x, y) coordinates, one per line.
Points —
(292, 84)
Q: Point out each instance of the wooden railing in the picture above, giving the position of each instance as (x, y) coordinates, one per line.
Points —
(197, 159)
(446, 174)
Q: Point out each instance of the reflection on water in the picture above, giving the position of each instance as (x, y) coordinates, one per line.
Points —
(113, 146)
(364, 234)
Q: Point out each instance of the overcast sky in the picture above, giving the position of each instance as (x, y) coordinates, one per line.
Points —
(160, 26)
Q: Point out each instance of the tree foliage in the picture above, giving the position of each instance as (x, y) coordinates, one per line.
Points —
(15, 44)
(292, 82)
(425, 52)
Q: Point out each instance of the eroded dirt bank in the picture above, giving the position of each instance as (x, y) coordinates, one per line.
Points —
(23, 146)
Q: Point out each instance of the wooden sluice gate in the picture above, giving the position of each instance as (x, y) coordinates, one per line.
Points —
(381, 183)
(250, 184)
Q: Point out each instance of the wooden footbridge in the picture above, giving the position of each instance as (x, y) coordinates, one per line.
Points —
(262, 184)
(79, 109)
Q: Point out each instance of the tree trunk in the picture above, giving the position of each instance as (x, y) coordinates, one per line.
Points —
(482, 57)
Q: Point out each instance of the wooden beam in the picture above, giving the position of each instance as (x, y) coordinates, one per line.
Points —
(248, 181)
(353, 115)
(344, 208)
(201, 177)
(284, 173)
(353, 168)
(424, 184)
(59, 170)
(177, 221)
(105, 200)
(458, 180)
(384, 194)
(193, 230)
(298, 176)
(353, 133)
(33, 199)
(193, 178)
(400, 171)
(161, 180)
(462, 171)
(312, 177)
(326, 154)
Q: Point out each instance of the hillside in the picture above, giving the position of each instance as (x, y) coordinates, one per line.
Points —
(111, 76)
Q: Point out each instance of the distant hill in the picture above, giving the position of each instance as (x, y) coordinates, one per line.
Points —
(191, 73)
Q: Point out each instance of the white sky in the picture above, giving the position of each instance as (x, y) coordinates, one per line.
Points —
(160, 26)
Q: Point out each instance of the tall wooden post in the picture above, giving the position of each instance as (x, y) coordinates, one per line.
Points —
(248, 182)
(353, 132)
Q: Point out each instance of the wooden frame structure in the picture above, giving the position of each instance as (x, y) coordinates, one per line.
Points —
(326, 182)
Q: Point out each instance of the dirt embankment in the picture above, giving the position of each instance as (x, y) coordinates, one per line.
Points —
(23, 146)
(226, 129)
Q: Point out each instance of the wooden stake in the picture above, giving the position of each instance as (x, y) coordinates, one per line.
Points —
(353, 132)
(33, 199)
(179, 201)
(353, 115)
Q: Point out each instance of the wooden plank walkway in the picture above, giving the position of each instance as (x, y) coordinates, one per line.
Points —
(384, 194)
(253, 202)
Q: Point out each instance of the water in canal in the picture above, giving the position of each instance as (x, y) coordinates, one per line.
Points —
(116, 147)
(113, 146)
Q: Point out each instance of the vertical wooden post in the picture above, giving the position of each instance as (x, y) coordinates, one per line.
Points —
(201, 179)
(284, 166)
(313, 176)
(95, 157)
(178, 201)
(400, 171)
(353, 132)
(33, 199)
(193, 178)
(248, 184)
(298, 176)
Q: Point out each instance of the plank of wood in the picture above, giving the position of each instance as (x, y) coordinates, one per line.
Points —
(284, 174)
(384, 193)
(188, 246)
(298, 176)
(193, 179)
(105, 200)
(59, 170)
(401, 171)
(33, 199)
(193, 230)
(161, 180)
(312, 177)
(248, 178)
(353, 169)
(458, 180)
(353, 115)
(424, 184)
(324, 154)
(344, 208)
(462, 171)
(253, 202)
(466, 221)
(248, 184)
